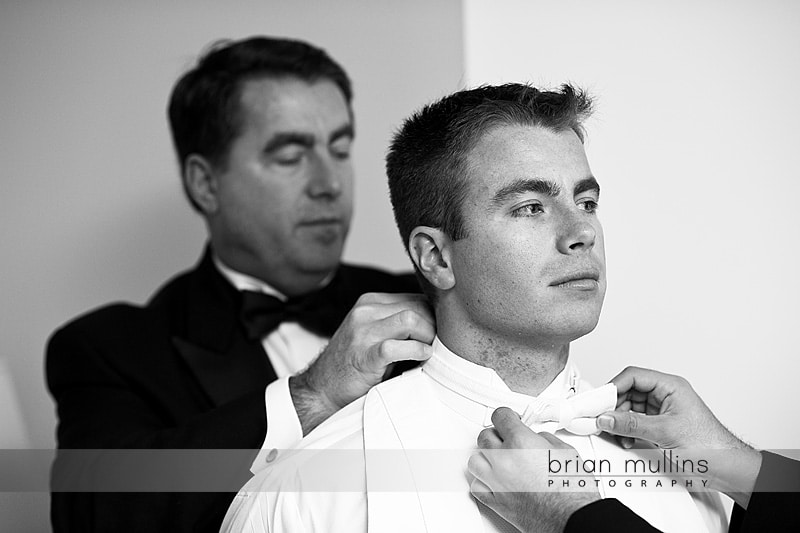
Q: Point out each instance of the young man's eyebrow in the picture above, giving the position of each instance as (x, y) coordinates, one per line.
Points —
(521, 186)
(279, 140)
(586, 184)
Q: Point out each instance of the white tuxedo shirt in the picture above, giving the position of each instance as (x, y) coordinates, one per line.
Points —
(395, 460)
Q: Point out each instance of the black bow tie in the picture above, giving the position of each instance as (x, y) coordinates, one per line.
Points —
(261, 313)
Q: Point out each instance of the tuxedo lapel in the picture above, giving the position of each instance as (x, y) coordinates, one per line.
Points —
(415, 427)
(210, 340)
(226, 376)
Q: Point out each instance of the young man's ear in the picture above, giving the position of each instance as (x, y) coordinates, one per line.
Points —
(430, 251)
(200, 183)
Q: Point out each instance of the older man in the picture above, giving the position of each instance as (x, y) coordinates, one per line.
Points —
(497, 206)
(263, 130)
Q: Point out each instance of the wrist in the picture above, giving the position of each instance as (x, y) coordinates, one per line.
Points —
(311, 404)
(736, 474)
(562, 513)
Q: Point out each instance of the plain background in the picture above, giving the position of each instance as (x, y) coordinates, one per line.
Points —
(694, 143)
(92, 207)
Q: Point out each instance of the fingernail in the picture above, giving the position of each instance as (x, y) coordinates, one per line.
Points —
(605, 422)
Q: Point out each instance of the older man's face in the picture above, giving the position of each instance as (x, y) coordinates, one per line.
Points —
(286, 192)
(533, 263)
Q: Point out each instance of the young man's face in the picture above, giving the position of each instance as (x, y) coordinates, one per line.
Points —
(532, 265)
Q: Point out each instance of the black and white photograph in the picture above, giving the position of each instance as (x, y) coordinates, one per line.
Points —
(412, 266)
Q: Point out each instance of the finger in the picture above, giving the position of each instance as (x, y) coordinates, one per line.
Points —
(632, 424)
(506, 421)
(488, 439)
(390, 297)
(479, 466)
(393, 350)
(637, 396)
(404, 324)
(625, 442)
(646, 381)
(372, 311)
(641, 402)
(481, 492)
(554, 442)
(416, 322)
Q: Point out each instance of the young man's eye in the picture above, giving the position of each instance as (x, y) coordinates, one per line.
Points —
(590, 206)
(528, 210)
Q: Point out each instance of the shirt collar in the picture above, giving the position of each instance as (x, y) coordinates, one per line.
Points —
(243, 282)
(476, 391)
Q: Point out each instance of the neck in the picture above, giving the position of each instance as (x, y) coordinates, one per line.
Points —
(289, 282)
(526, 364)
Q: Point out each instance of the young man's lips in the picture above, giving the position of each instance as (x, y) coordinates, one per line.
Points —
(588, 280)
(584, 284)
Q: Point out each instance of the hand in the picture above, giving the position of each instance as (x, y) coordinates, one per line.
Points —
(380, 330)
(666, 411)
(511, 473)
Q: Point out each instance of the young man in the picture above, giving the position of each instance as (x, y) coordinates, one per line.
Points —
(263, 129)
(497, 206)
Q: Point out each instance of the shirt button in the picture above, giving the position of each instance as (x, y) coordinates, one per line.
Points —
(272, 455)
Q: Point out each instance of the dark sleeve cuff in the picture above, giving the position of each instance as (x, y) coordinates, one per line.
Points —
(775, 500)
(608, 515)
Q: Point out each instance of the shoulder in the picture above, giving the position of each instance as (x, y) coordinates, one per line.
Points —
(123, 326)
(106, 322)
(113, 319)
(369, 279)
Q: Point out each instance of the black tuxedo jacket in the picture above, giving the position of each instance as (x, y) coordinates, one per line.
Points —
(772, 512)
(177, 373)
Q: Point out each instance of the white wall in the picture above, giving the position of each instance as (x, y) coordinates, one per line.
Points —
(91, 206)
(695, 144)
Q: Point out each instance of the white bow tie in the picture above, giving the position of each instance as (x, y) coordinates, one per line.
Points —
(576, 414)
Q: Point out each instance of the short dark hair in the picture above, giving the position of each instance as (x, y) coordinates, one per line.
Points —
(427, 160)
(204, 112)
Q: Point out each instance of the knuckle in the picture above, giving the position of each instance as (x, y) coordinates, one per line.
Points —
(631, 424)
(385, 350)
(406, 319)
(362, 313)
(367, 298)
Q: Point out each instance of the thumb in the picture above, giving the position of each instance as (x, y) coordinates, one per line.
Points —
(630, 424)
(506, 421)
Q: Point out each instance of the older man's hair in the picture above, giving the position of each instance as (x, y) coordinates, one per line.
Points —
(427, 160)
(204, 108)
